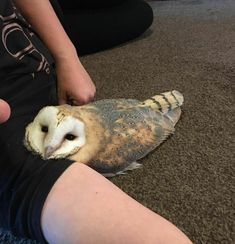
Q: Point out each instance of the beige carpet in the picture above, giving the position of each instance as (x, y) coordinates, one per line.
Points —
(190, 178)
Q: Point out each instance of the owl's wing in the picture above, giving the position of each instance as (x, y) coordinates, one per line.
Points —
(132, 132)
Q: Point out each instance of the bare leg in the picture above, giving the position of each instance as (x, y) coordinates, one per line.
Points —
(84, 207)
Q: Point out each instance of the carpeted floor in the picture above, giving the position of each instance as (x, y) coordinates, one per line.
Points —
(190, 178)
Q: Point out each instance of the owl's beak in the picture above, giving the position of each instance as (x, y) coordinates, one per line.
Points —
(48, 152)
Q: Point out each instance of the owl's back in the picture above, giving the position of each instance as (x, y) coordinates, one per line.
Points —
(132, 131)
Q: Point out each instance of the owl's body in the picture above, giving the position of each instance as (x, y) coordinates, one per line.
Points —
(108, 135)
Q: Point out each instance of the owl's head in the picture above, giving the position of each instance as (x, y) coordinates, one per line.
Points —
(55, 133)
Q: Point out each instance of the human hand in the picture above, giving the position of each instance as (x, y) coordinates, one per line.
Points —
(5, 111)
(74, 83)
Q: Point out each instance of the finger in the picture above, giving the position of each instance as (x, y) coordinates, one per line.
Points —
(5, 111)
(92, 98)
(62, 98)
(81, 99)
(71, 101)
(85, 100)
(75, 103)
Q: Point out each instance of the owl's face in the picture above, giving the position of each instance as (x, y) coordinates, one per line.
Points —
(55, 134)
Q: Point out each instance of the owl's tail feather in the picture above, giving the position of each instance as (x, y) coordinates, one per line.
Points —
(174, 115)
(165, 102)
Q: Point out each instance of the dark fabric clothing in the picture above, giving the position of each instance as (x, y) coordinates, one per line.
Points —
(25, 181)
(94, 25)
(22, 52)
(89, 4)
(27, 83)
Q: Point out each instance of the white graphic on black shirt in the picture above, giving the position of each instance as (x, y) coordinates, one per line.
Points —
(11, 32)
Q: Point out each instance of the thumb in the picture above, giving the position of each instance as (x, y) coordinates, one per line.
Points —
(5, 111)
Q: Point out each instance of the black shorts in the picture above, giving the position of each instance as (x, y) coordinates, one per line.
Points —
(25, 179)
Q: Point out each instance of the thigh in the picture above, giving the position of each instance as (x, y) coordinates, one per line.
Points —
(89, 4)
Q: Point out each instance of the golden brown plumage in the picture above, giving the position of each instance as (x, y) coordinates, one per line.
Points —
(114, 133)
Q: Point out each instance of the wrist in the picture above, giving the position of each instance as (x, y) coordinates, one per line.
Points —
(67, 54)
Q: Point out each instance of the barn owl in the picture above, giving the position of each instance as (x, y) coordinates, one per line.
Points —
(108, 135)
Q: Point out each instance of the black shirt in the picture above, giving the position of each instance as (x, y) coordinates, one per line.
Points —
(22, 56)
(29, 55)
(27, 80)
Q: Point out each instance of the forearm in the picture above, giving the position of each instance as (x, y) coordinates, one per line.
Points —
(41, 16)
